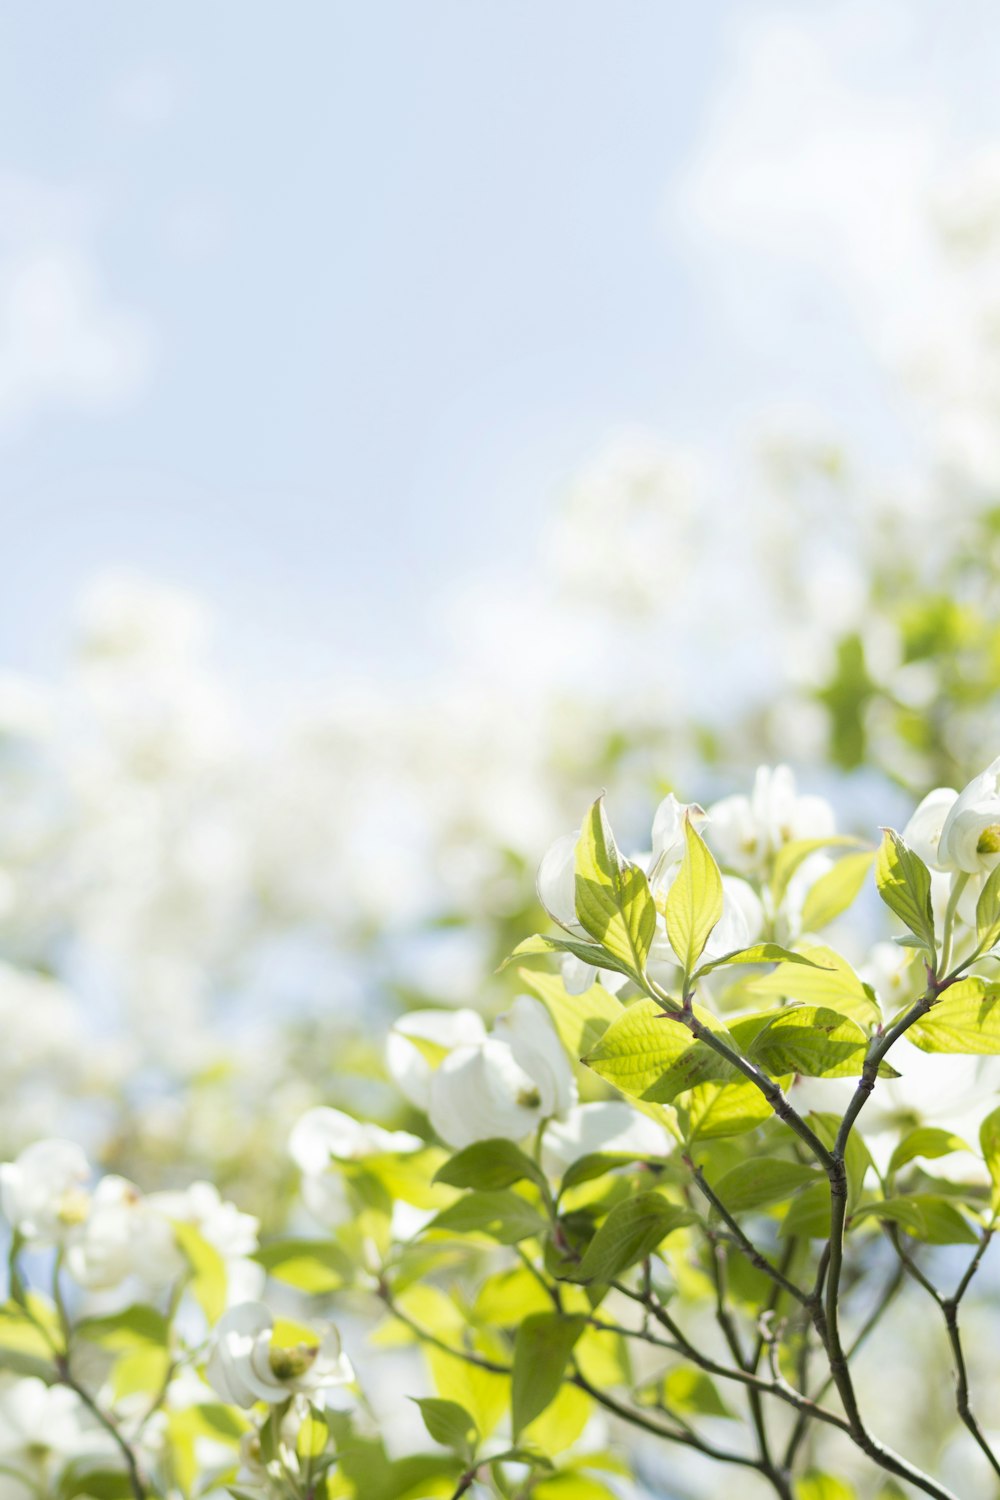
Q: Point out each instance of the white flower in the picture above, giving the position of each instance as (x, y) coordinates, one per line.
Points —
(669, 842)
(121, 1237)
(506, 1085)
(746, 831)
(325, 1136)
(408, 1062)
(527, 1029)
(40, 1427)
(42, 1192)
(578, 976)
(556, 883)
(923, 832)
(230, 1231)
(970, 837)
(612, 1126)
(246, 1366)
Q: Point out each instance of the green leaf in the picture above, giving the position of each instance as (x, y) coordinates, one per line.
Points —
(92, 1477)
(835, 891)
(447, 1422)
(24, 1348)
(543, 946)
(694, 900)
(502, 1215)
(760, 953)
(815, 1485)
(580, 1020)
(314, 1266)
(714, 1110)
(595, 1164)
(208, 1280)
(832, 982)
(925, 1216)
(692, 1391)
(760, 1182)
(809, 1215)
(989, 1141)
(904, 883)
(791, 855)
(988, 912)
(573, 1486)
(808, 1039)
(926, 1141)
(631, 1231)
(542, 1348)
(491, 1164)
(649, 1055)
(613, 900)
(965, 1019)
(134, 1327)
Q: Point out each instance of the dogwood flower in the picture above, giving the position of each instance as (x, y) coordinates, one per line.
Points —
(923, 832)
(231, 1232)
(40, 1427)
(669, 841)
(418, 1041)
(246, 1366)
(556, 883)
(505, 1085)
(122, 1236)
(747, 831)
(43, 1192)
(611, 1126)
(325, 1136)
(970, 835)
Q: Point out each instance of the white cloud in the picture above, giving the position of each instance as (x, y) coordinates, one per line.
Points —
(822, 150)
(65, 342)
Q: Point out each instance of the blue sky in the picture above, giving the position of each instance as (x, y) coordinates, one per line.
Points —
(344, 296)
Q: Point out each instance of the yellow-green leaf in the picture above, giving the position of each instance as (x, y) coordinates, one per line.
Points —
(581, 1020)
(613, 900)
(831, 982)
(965, 1019)
(694, 900)
(650, 1055)
(834, 891)
(904, 883)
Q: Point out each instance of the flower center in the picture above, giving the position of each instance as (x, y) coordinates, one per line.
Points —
(989, 840)
(293, 1362)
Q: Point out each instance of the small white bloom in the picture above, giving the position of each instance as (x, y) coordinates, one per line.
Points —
(611, 1126)
(527, 1029)
(578, 976)
(409, 1065)
(325, 1136)
(669, 842)
(746, 831)
(970, 836)
(37, 1420)
(43, 1192)
(121, 1237)
(508, 1084)
(556, 883)
(225, 1227)
(923, 832)
(246, 1366)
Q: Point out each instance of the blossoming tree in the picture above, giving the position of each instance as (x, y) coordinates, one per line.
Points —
(654, 1224)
